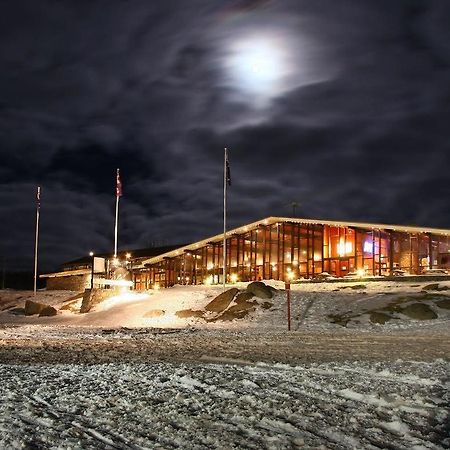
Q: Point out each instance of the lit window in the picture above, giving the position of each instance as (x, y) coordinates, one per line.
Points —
(344, 248)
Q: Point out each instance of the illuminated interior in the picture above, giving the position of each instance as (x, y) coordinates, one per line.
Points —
(292, 250)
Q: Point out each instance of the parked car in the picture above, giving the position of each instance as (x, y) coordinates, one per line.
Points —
(435, 272)
(324, 276)
(356, 274)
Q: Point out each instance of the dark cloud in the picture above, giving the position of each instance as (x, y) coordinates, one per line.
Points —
(357, 130)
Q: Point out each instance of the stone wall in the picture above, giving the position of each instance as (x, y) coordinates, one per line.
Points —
(69, 283)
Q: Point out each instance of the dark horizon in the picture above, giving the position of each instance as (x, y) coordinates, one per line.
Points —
(341, 107)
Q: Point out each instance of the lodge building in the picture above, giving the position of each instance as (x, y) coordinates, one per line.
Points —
(280, 248)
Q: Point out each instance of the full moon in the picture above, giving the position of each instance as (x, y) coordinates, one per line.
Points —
(258, 65)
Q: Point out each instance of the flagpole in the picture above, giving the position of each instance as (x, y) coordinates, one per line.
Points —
(38, 207)
(118, 193)
(225, 218)
(115, 226)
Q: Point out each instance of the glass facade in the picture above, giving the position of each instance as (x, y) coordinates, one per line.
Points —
(293, 249)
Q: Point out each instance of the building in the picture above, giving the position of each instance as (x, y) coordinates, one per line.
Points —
(76, 275)
(280, 248)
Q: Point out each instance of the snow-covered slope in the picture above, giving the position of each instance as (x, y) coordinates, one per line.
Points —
(314, 306)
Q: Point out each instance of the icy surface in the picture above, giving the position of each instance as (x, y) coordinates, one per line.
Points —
(116, 379)
(401, 405)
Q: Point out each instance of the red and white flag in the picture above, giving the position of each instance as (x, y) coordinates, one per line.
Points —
(118, 185)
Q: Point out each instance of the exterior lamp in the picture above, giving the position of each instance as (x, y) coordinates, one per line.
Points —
(290, 275)
(361, 273)
(128, 256)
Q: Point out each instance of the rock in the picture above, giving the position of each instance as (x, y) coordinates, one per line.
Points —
(94, 297)
(435, 287)
(444, 303)
(358, 286)
(243, 306)
(243, 297)
(266, 305)
(431, 287)
(259, 289)
(73, 306)
(32, 308)
(154, 313)
(222, 301)
(186, 313)
(339, 320)
(419, 311)
(379, 317)
(230, 315)
(48, 311)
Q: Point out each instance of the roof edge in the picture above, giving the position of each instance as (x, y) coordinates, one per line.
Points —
(273, 219)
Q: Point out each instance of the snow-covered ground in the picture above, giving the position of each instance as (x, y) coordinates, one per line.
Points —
(400, 405)
(117, 378)
(312, 303)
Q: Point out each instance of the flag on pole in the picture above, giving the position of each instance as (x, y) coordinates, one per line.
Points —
(227, 163)
(118, 185)
(38, 197)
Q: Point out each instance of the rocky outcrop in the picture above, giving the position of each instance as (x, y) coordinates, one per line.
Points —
(260, 290)
(222, 301)
(379, 317)
(32, 307)
(48, 311)
(243, 297)
(228, 315)
(92, 297)
(419, 311)
(187, 313)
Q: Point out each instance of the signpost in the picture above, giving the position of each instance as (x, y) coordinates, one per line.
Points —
(287, 287)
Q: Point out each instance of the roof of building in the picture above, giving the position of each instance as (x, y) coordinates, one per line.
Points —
(135, 254)
(82, 266)
(272, 220)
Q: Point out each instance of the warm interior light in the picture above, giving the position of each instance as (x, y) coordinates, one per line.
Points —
(361, 273)
(344, 248)
(368, 247)
(233, 277)
(209, 280)
(156, 286)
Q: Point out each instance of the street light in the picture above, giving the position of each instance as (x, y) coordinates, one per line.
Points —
(91, 254)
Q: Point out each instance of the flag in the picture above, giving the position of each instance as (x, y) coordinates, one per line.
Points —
(118, 185)
(227, 164)
(38, 197)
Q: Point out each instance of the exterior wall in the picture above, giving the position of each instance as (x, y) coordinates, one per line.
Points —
(300, 250)
(69, 283)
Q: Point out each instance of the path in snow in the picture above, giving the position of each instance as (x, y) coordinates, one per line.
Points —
(84, 345)
(397, 405)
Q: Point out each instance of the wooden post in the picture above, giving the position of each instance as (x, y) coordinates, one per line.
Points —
(287, 286)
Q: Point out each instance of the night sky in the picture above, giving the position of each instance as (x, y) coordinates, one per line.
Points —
(342, 106)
